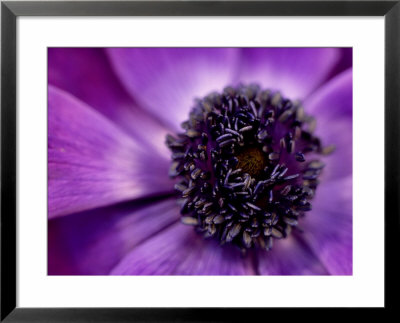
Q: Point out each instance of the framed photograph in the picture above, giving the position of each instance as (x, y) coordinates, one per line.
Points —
(198, 161)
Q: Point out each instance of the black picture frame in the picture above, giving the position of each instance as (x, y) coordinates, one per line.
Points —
(10, 11)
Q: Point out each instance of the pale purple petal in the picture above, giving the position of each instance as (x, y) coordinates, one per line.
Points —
(167, 80)
(290, 256)
(92, 242)
(328, 228)
(181, 251)
(332, 106)
(93, 163)
(334, 99)
(295, 72)
(86, 73)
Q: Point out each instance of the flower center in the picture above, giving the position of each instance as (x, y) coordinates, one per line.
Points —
(251, 160)
(248, 166)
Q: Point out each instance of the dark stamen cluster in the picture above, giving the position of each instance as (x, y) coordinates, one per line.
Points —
(244, 177)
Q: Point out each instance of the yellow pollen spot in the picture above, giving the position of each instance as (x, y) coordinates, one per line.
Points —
(252, 160)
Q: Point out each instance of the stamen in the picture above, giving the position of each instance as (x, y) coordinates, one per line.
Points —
(243, 160)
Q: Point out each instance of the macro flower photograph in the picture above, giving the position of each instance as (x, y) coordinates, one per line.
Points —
(200, 161)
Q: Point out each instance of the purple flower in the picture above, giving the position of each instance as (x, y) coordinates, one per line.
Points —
(112, 206)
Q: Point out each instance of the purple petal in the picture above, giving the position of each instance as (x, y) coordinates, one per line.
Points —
(290, 256)
(328, 228)
(92, 242)
(295, 72)
(332, 106)
(181, 251)
(167, 80)
(86, 73)
(334, 99)
(92, 163)
(345, 61)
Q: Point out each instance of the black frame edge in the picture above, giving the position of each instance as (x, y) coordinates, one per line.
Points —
(202, 8)
(8, 161)
(10, 11)
(392, 154)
